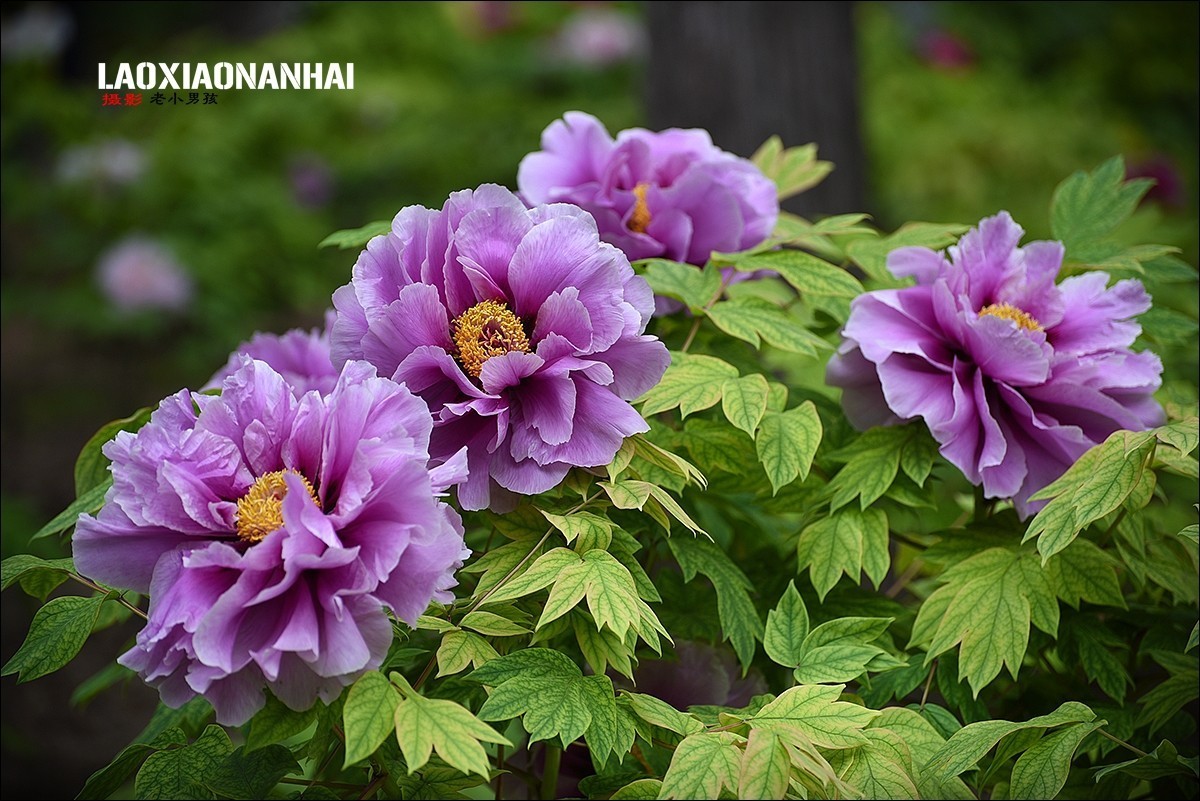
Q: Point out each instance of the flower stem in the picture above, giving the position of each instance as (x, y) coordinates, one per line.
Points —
(928, 682)
(550, 773)
(1140, 753)
(119, 598)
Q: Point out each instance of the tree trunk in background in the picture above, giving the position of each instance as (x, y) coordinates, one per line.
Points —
(746, 70)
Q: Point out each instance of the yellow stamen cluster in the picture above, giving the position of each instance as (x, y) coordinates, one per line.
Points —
(639, 221)
(260, 510)
(485, 330)
(1006, 311)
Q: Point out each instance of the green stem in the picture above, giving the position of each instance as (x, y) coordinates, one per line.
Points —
(928, 682)
(499, 770)
(104, 590)
(1119, 741)
(550, 773)
(687, 343)
(321, 783)
(374, 786)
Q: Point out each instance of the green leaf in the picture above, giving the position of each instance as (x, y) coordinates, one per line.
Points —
(1163, 761)
(787, 442)
(1160, 704)
(541, 686)
(848, 541)
(459, 649)
(1083, 572)
(184, 773)
(189, 718)
(611, 731)
(871, 254)
(659, 713)
(987, 604)
(111, 777)
(754, 320)
(356, 238)
(923, 741)
(87, 503)
(1094, 643)
(491, 624)
(880, 769)
(872, 467)
(744, 401)
(1095, 485)
(793, 169)
(542, 573)
(368, 716)
(807, 274)
(55, 636)
(692, 383)
(815, 712)
(685, 282)
(91, 468)
(526, 663)
(607, 584)
(1193, 638)
(425, 725)
(703, 765)
(1042, 771)
(766, 768)
(275, 722)
(627, 494)
(252, 775)
(21, 565)
(967, 746)
(581, 524)
(1088, 205)
(838, 650)
(1183, 435)
(787, 626)
(740, 623)
(497, 563)
(600, 647)
(640, 790)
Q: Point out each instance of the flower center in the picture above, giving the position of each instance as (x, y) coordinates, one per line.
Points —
(485, 330)
(260, 510)
(639, 221)
(1006, 311)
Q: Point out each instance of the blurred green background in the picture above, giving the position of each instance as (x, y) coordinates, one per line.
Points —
(141, 244)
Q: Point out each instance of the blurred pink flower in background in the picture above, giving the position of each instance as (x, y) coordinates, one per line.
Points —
(138, 274)
(1168, 189)
(945, 50)
(311, 179)
(599, 37)
(115, 162)
(40, 30)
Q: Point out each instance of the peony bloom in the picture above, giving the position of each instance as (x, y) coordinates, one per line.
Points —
(271, 531)
(671, 194)
(599, 38)
(1015, 376)
(519, 327)
(301, 357)
(138, 274)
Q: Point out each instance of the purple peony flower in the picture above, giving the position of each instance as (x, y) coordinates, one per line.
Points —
(301, 357)
(1015, 376)
(138, 274)
(519, 327)
(671, 194)
(271, 531)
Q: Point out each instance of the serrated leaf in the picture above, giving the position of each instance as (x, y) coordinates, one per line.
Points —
(869, 473)
(184, 773)
(542, 573)
(807, 274)
(740, 623)
(600, 647)
(965, 747)
(703, 765)
(754, 320)
(425, 725)
(871, 254)
(89, 503)
(744, 401)
(526, 663)
(112, 776)
(276, 722)
(793, 169)
(56, 634)
(1042, 771)
(848, 541)
(814, 711)
(766, 767)
(692, 383)
(580, 524)
(659, 713)
(880, 769)
(787, 626)
(987, 604)
(459, 649)
(1083, 572)
(1087, 206)
(787, 442)
(499, 562)
(606, 584)
(91, 467)
(368, 716)
(685, 282)
(356, 238)
(611, 732)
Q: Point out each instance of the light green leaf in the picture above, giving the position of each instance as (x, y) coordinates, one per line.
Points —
(356, 238)
(659, 713)
(491, 624)
(425, 725)
(627, 494)
(275, 722)
(685, 282)
(967, 746)
(847, 541)
(526, 663)
(184, 773)
(744, 401)
(880, 769)
(541, 686)
(1183, 435)
(793, 169)
(459, 649)
(542, 573)
(55, 636)
(498, 562)
(581, 524)
(815, 711)
(606, 583)
(787, 626)
(827, 664)
(703, 765)
(871, 470)
(787, 442)
(1042, 771)
(1083, 572)
(754, 320)
(871, 254)
(673, 508)
(640, 790)
(740, 622)
(807, 274)
(87, 503)
(600, 647)
(923, 741)
(91, 467)
(1193, 638)
(692, 383)
(766, 767)
(368, 716)
(611, 731)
